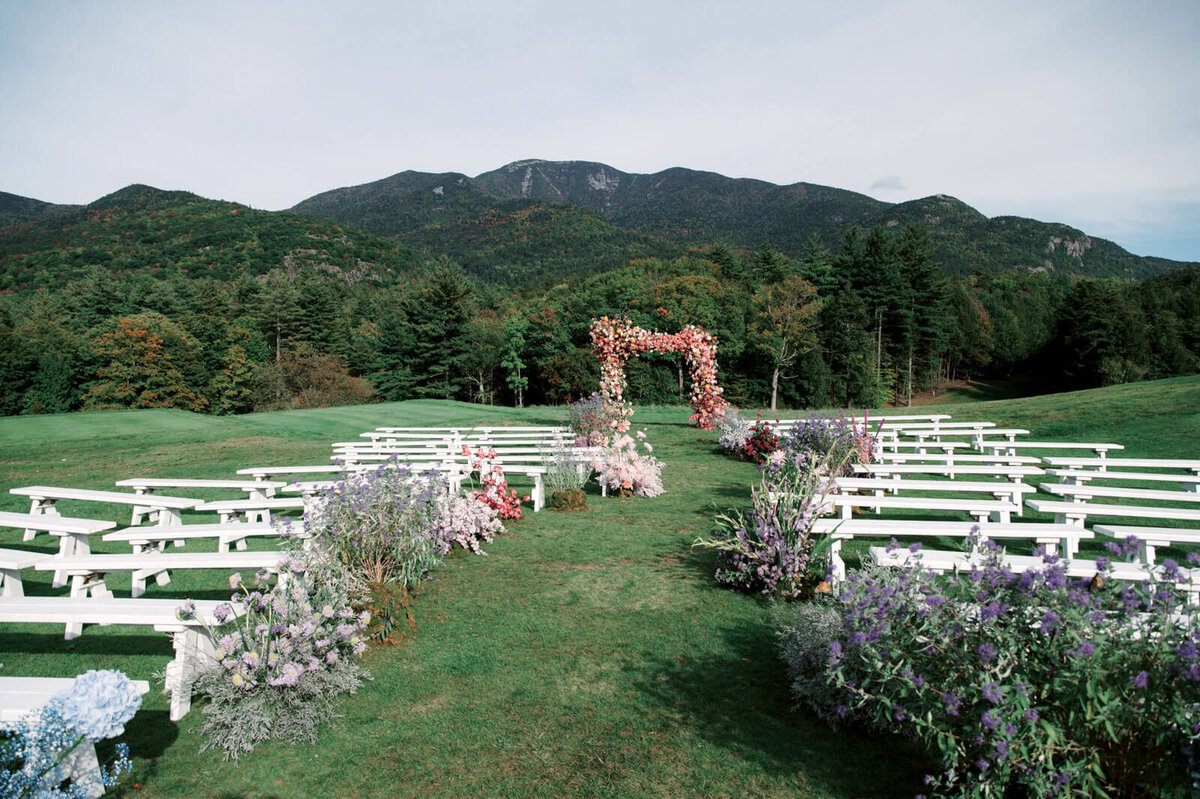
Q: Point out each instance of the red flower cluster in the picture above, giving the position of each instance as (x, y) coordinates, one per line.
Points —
(761, 443)
(617, 340)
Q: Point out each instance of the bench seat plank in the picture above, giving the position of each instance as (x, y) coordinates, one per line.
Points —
(87, 571)
(1131, 463)
(1088, 491)
(1077, 512)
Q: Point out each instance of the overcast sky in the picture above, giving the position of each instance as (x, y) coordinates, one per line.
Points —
(1081, 112)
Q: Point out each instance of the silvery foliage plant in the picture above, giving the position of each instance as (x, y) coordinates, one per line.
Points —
(734, 431)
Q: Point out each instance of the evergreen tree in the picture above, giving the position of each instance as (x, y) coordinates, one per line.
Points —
(53, 387)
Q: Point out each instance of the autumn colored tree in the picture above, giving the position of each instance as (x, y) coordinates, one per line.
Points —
(137, 372)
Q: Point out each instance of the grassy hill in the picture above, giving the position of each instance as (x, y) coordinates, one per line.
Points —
(587, 655)
(140, 229)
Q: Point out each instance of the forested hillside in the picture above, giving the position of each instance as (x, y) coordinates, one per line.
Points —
(164, 299)
(142, 230)
(692, 209)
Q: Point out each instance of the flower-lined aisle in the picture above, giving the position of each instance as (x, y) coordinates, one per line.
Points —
(617, 340)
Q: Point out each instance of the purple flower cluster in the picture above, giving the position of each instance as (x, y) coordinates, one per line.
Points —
(1024, 681)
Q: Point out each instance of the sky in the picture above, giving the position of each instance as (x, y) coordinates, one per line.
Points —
(1081, 112)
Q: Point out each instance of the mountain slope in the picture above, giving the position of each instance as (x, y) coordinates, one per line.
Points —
(522, 241)
(16, 210)
(692, 208)
(143, 229)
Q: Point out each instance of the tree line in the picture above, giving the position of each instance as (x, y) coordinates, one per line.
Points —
(870, 322)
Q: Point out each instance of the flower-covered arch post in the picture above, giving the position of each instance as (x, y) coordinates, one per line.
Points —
(617, 340)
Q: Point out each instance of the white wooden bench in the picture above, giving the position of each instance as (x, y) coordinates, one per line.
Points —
(1150, 538)
(257, 489)
(73, 534)
(190, 637)
(88, 571)
(235, 534)
(981, 509)
(1103, 464)
(956, 459)
(939, 560)
(1011, 447)
(261, 473)
(1055, 537)
(1003, 471)
(45, 498)
(20, 696)
(1078, 512)
(1189, 482)
(255, 510)
(12, 561)
(1006, 491)
(1083, 493)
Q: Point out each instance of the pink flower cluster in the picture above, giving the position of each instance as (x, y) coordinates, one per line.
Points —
(495, 492)
(626, 472)
(617, 340)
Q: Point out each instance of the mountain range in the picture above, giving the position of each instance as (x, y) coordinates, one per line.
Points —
(524, 223)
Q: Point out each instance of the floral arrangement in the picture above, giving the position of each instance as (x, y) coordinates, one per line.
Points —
(627, 472)
(617, 340)
(1031, 684)
(467, 522)
(851, 441)
(379, 524)
(589, 420)
(760, 444)
(39, 755)
(494, 491)
(284, 654)
(734, 431)
(772, 550)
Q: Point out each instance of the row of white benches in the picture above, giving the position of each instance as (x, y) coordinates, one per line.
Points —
(1078, 487)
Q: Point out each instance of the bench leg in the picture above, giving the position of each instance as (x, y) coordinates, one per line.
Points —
(539, 493)
(12, 583)
(192, 648)
(39, 507)
(83, 768)
(835, 560)
(70, 544)
(170, 517)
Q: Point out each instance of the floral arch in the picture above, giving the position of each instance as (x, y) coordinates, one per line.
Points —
(617, 340)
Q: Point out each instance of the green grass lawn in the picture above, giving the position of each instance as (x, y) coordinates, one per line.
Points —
(587, 654)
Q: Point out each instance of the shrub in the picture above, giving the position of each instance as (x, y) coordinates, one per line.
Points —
(805, 631)
(772, 550)
(1026, 684)
(566, 475)
(626, 472)
(380, 524)
(284, 655)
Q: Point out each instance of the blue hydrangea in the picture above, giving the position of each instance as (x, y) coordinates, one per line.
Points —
(99, 704)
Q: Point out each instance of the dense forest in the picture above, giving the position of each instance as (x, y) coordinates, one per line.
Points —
(244, 310)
